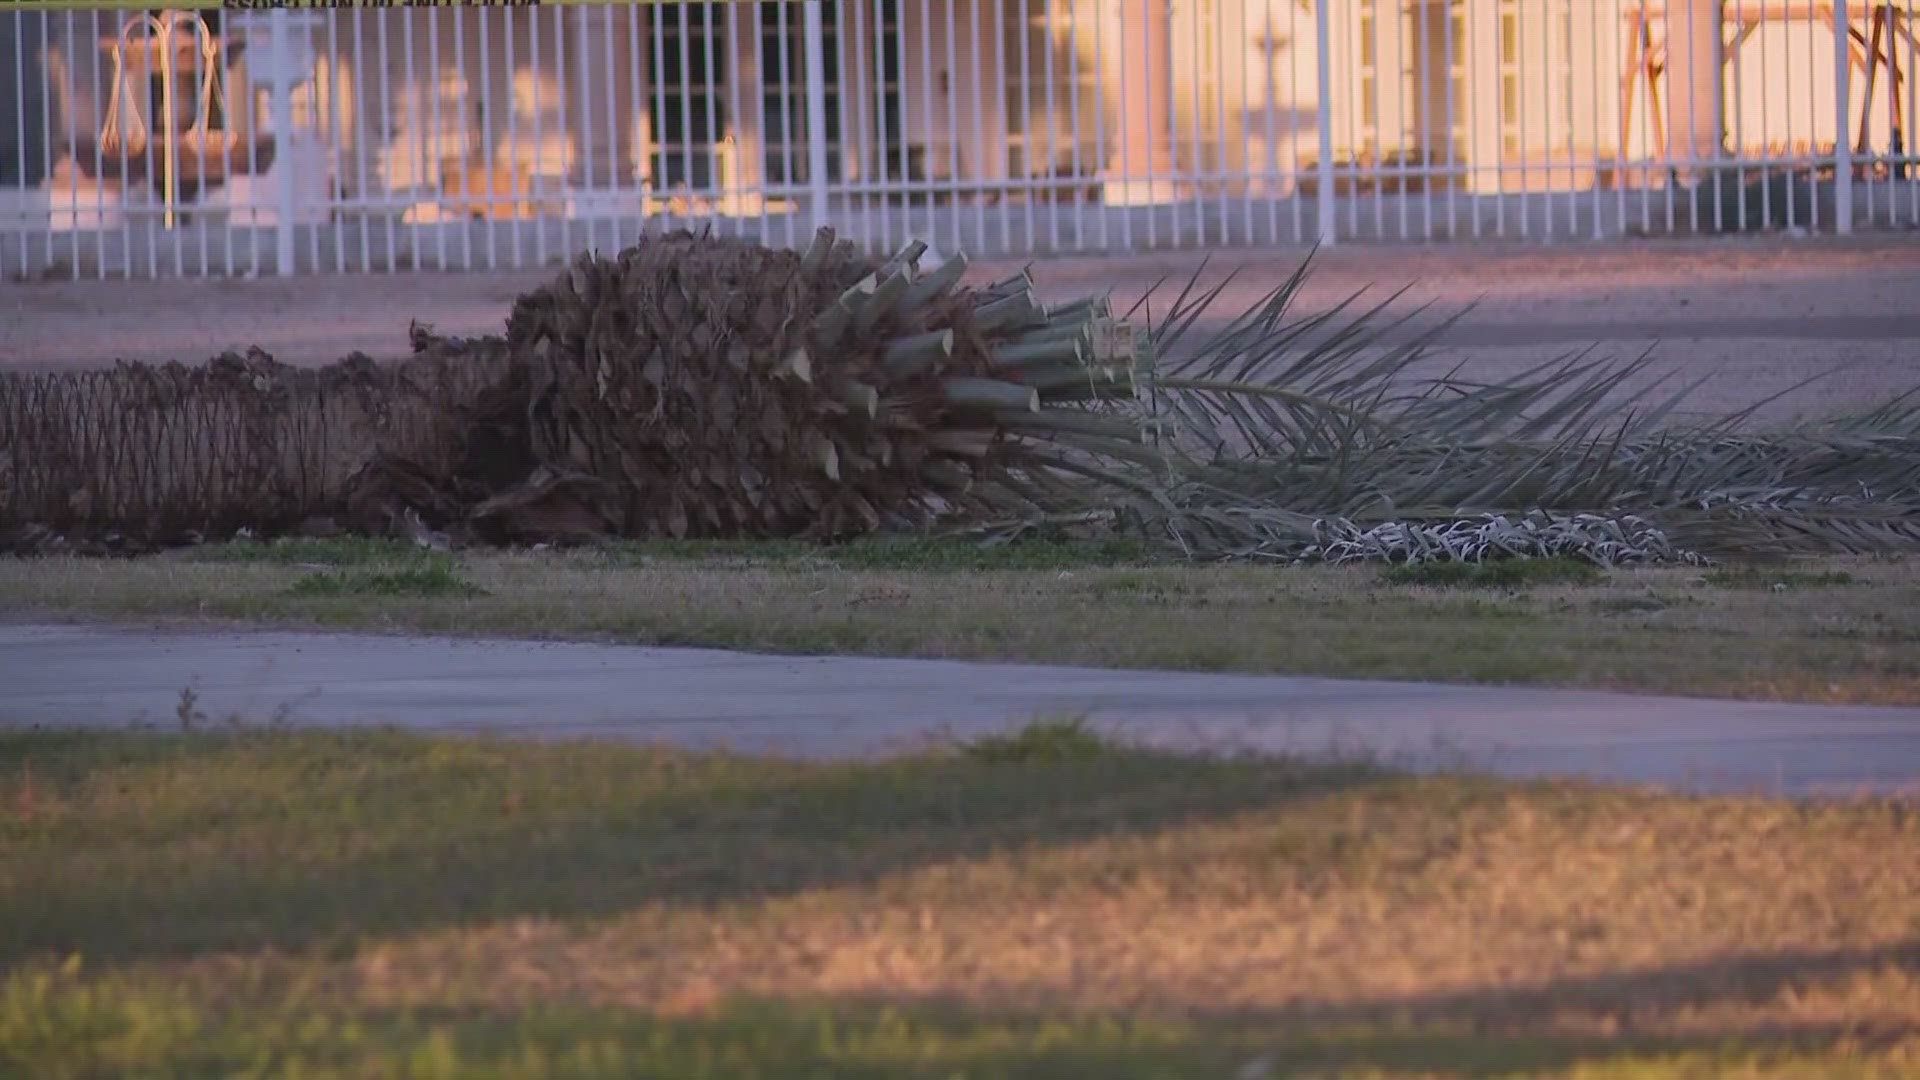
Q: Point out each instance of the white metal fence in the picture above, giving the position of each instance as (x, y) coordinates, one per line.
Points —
(240, 142)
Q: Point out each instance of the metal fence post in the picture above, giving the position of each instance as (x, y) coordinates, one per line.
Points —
(280, 46)
(814, 46)
(1843, 107)
(1323, 50)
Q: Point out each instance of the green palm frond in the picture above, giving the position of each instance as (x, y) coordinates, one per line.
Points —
(1278, 426)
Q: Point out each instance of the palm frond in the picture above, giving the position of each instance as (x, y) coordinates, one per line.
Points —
(1283, 428)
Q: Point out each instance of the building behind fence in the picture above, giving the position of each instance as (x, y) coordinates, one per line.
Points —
(350, 139)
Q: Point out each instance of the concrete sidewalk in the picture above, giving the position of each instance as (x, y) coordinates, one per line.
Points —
(72, 676)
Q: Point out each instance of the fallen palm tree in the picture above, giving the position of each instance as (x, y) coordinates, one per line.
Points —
(695, 386)
(690, 386)
(699, 386)
(137, 455)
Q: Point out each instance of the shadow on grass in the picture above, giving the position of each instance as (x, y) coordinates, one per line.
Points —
(864, 1038)
(143, 845)
(1748, 980)
(126, 847)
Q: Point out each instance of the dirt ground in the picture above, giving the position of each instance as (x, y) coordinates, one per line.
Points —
(1751, 317)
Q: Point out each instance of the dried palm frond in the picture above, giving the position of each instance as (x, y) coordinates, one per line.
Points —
(1289, 429)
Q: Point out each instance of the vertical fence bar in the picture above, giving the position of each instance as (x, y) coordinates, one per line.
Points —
(50, 159)
(980, 187)
(1323, 52)
(1217, 52)
(1780, 150)
(361, 188)
(1245, 171)
(659, 152)
(1406, 81)
(954, 166)
(1125, 154)
(901, 152)
(853, 140)
(515, 161)
(200, 70)
(1865, 147)
(537, 103)
(787, 82)
(1843, 110)
(999, 40)
(1224, 175)
(743, 25)
(417, 149)
(1593, 94)
(1183, 176)
(882, 111)
(486, 207)
(334, 128)
(1908, 152)
(1025, 15)
(1293, 144)
(73, 158)
(1813, 140)
(19, 91)
(1270, 158)
(1054, 193)
(685, 41)
(1170, 116)
(588, 195)
(489, 152)
(1453, 142)
(1563, 25)
(1740, 143)
(436, 105)
(814, 47)
(1520, 118)
(1397, 86)
(1766, 154)
(1423, 84)
(722, 152)
(1185, 179)
(932, 234)
(281, 47)
(580, 148)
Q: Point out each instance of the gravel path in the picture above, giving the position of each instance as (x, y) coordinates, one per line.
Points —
(823, 706)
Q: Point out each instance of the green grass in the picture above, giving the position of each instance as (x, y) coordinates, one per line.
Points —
(1495, 574)
(1044, 903)
(432, 580)
(1551, 622)
(1753, 577)
(1046, 742)
(921, 555)
(303, 551)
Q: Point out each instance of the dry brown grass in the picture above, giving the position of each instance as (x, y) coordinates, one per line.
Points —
(353, 903)
(1570, 910)
(1837, 631)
